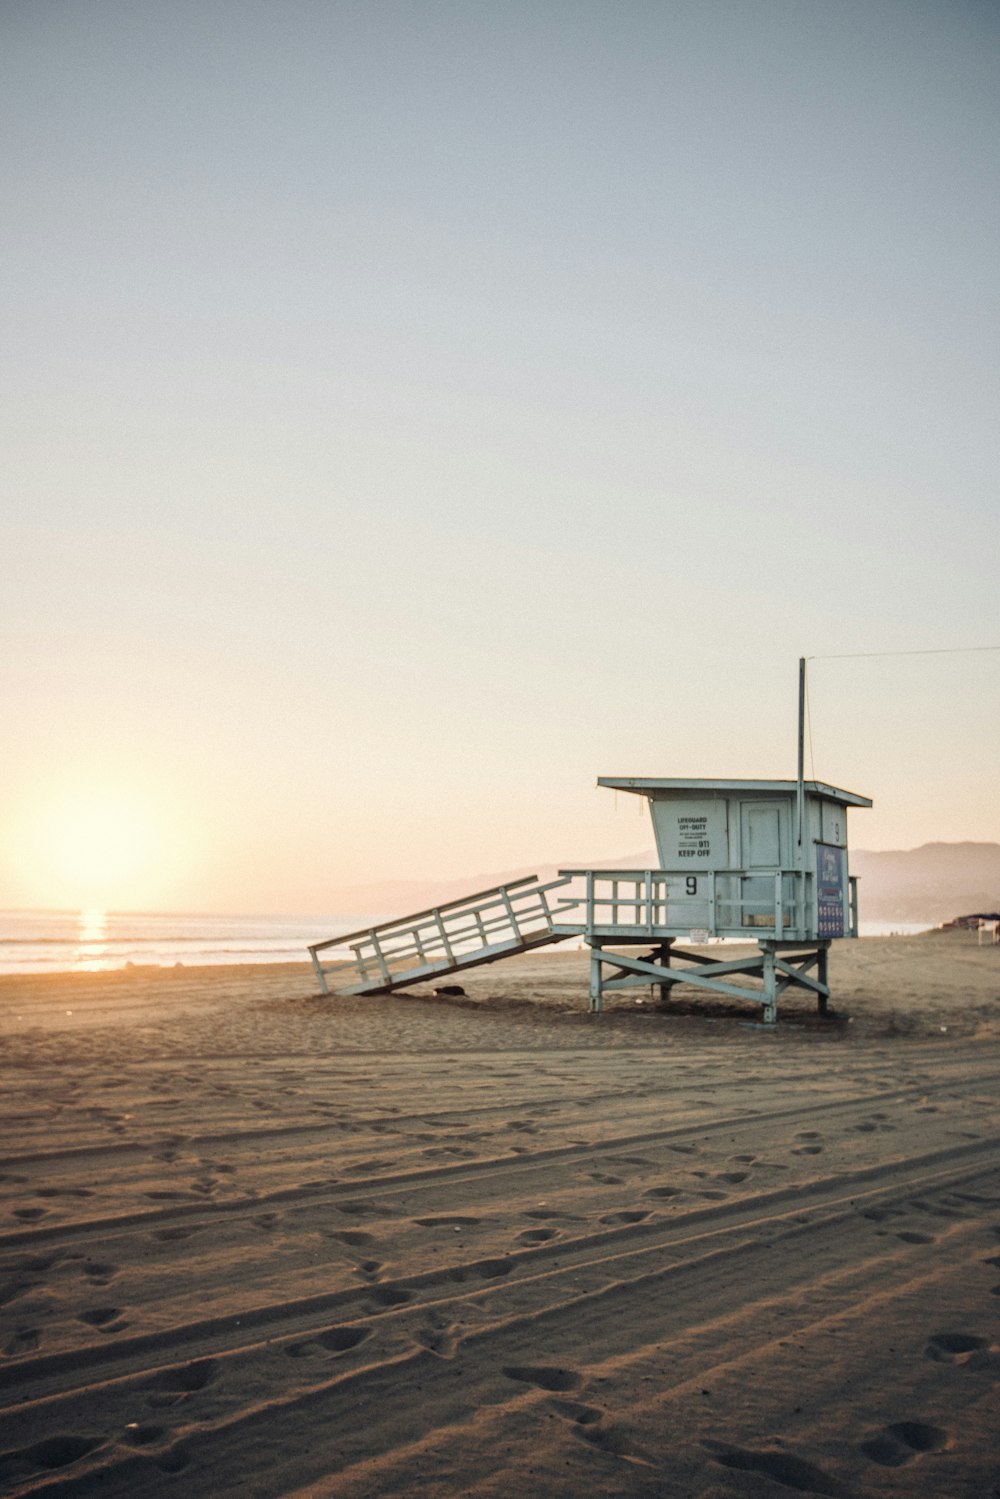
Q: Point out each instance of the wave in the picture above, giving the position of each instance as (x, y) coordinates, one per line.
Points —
(112, 941)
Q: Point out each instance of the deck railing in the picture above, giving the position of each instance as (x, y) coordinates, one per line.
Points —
(774, 903)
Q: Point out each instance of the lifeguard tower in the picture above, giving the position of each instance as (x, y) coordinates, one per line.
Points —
(761, 861)
(765, 861)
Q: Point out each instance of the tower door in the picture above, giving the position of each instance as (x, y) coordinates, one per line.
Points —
(762, 825)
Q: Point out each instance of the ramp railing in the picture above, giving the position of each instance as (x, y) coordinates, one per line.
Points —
(442, 939)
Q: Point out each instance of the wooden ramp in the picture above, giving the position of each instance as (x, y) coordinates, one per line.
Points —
(445, 939)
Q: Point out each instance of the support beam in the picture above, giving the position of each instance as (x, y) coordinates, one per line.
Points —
(662, 967)
(660, 975)
(798, 976)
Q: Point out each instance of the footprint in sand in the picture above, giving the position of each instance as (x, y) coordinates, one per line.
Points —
(30, 1215)
(355, 1237)
(537, 1235)
(911, 1236)
(58, 1451)
(25, 1340)
(903, 1441)
(954, 1347)
(107, 1318)
(494, 1269)
(333, 1340)
(626, 1216)
(662, 1193)
(369, 1269)
(387, 1296)
(441, 1341)
(783, 1467)
(173, 1384)
(545, 1376)
(808, 1150)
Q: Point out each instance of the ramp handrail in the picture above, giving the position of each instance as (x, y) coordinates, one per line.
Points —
(462, 900)
(441, 939)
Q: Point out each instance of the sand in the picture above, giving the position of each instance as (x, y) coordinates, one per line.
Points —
(254, 1242)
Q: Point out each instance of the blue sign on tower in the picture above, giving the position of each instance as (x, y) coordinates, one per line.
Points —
(831, 890)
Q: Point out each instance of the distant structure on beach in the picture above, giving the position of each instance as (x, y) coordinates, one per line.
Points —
(759, 860)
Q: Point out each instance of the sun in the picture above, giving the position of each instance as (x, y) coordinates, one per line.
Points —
(97, 848)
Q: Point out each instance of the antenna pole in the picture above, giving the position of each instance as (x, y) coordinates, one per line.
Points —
(800, 797)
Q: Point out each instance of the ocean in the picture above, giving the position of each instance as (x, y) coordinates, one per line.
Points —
(94, 941)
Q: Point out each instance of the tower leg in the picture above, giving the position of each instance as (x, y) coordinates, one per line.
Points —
(822, 1000)
(595, 980)
(665, 960)
(770, 977)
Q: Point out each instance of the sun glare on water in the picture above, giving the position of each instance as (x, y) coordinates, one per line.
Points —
(92, 939)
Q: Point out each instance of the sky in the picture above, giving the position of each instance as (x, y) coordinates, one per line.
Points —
(412, 411)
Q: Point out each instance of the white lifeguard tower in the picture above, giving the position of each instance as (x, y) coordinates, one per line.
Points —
(761, 861)
(765, 861)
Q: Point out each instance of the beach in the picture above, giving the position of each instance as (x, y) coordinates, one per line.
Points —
(258, 1241)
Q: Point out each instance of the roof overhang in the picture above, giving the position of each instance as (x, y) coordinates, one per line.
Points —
(648, 785)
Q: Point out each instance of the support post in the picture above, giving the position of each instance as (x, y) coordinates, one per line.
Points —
(770, 979)
(665, 960)
(318, 967)
(595, 980)
(823, 1000)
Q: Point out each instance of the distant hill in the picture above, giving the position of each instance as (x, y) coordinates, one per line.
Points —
(932, 883)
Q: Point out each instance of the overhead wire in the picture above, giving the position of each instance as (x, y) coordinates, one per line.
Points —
(947, 650)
